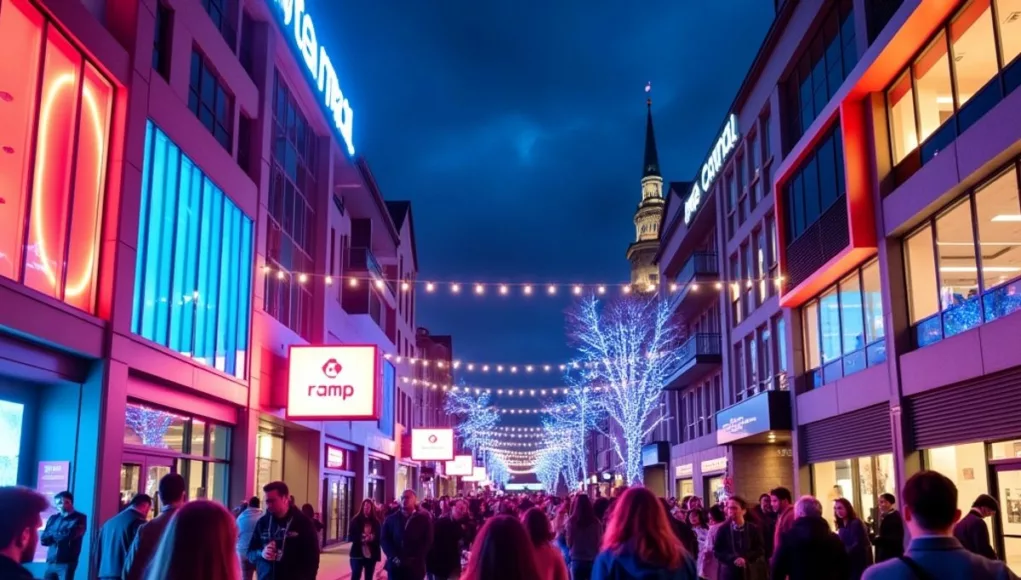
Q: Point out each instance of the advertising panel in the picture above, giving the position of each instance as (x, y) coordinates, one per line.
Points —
(461, 465)
(432, 444)
(333, 383)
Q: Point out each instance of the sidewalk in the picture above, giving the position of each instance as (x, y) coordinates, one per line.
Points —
(335, 564)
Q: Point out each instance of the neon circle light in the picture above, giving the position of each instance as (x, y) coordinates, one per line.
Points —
(66, 79)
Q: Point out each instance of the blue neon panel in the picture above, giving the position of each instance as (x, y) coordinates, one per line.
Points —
(194, 266)
(386, 415)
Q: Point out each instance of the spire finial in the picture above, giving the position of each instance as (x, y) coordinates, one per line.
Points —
(651, 166)
(648, 93)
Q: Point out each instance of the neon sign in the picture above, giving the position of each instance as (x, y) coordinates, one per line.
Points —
(725, 145)
(319, 66)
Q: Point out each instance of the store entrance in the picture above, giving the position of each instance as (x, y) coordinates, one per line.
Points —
(1008, 487)
(338, 507)
(141, 474)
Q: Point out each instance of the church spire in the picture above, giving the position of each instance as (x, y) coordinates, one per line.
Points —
(651, 165)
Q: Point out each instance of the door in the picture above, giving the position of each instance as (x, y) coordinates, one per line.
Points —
(1008, 487)
(142, 474)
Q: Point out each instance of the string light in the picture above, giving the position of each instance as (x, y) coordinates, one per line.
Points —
(474, 366)
(508, 391)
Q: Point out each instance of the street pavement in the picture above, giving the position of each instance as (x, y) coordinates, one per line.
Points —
(335, 564)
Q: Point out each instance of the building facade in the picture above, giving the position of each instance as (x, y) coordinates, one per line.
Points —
(181, 205)
(868, 272)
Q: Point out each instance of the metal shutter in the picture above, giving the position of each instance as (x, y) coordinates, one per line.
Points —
(980, 409)
(823, 240)
(856, 434)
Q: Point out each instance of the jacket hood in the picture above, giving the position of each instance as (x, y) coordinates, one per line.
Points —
(639, 570)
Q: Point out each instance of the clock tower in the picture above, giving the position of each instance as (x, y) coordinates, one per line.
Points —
(642, 252)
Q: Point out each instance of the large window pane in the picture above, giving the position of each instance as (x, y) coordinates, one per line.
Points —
(974, 48)
(935, 99)
(873, 297)
(829, 326)
(1009, 12)
(965, 465)
(920, 261)
(811, 331)
(998, 215)
(852, 325)
(955, 239)
(903, 132)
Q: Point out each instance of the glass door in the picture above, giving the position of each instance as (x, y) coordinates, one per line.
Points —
(142, 474)
(1008, 487)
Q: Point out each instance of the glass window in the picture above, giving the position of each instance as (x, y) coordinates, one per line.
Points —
(1009, 13)
(781, 345)
(766, 355)
(811, 329)
(752, 363)
(829, 326)
(974, 48)
(816, 185)
(933, 87)
(998, 214)
(852, 325)
(739, 372)
(955, 237)
(735, 288)
(210, 101)
(859, 480)
(873, 297)
(903, 131)
(156, 428)
(965, 465)
(198, 437)
(923, 292)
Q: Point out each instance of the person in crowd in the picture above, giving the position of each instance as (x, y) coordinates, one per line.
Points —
(640, 544)
(783, 513)
(972, 531)
(583, 535)
(199, 543)
(284, 543)
(452, 534)
(406, 538)
(600, 506)
(708, 567)
(889, 541)
(738, 545)
(698, 521)
(560, 529)
(502, 551)
(364, 532)
(855, 536)
(116, 537)
(246, 521)
(549, 560)
(63, 536)
(766, 520)
(681, 529)
(809, 550)
(930, 510)
(19, 530)
(172, 490)
(310, 512)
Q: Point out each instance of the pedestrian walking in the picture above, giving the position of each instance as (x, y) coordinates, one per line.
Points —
(502, 551)
(783, 513)
(451, 535)
(363, 532)
(548, 559)
(63, 535)
(19, 530)
(310, 512)
(972, 531)
(406, 538)
(809, 550)
(708, 567)
(172, 490)
(738, 546)
(284, 544)
(855, 537)
(246, 521)
(583, 535)
(116, 536)
(889, 540)
(199, 543)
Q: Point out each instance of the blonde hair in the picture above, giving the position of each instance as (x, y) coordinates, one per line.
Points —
(198, 544)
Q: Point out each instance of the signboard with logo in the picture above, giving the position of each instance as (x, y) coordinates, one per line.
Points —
(759, 414)
(714, 465)
(478, 475)
(655, 453)
(333, 383)
(726, 143)
(685, 470)
(461, 465)
(336, 458)
(299, 29)
(53, 477)
(432, 444)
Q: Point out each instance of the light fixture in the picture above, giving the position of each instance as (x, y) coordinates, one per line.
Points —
(973, 269)
(1007, 217)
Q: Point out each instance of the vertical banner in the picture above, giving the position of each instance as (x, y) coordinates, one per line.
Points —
(53, 478)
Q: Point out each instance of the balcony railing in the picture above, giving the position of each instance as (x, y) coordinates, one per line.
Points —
(700, 344)
(699, 264)
(363, 260)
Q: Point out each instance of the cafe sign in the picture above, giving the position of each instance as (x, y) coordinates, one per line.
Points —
(725, 145)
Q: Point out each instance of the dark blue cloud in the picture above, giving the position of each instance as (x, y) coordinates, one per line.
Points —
(516, 129)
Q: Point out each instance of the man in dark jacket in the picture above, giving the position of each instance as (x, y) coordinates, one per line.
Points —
(406, 538)
(809, 550)
(116, 537)
(682, 529)
(285, 545)
(972, 531)
(63, 535)
(172, 490)
(453, 533)
(19, 530)
(889, 542)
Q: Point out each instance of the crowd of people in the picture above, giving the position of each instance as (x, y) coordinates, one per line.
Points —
(633, 535)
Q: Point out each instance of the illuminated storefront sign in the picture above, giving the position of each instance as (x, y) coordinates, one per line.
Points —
(725, 145)
(714, 465)
(478, 475)
(432, 444)
(335, 457)
(333, 383)
(299, 27)
(461, 465)
(685, 470)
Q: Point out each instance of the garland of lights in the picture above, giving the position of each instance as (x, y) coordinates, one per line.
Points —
(510, 391)
(151, 425)
(477, 418)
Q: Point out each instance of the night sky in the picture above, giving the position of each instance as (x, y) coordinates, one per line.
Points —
(516, 129)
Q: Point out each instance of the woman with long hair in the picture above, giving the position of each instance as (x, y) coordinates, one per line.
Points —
(739, 547)
(363, 533)
(548, 559)
(854, 535)
(639, 543)
(310, 512)
(708, 567)
(198, 544)
(560, 529)
(584, 531)
(502, 551)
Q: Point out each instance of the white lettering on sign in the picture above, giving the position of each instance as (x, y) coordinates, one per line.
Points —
(317, 61)
(725, 145)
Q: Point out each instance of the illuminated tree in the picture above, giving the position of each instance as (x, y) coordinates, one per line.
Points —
(497, 470)
(627, 349)
(151, 425)
(548, 468)
(476, 418)
(569, 423)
